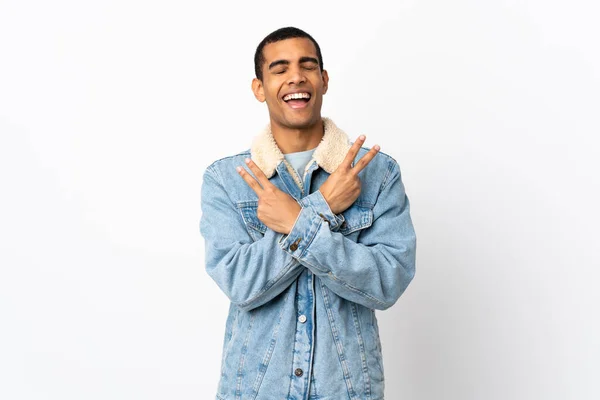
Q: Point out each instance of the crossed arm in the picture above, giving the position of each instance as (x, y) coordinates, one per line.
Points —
(373, 272)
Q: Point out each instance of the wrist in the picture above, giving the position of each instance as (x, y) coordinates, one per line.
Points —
(294, 218)
(328, 202)
(331, 206)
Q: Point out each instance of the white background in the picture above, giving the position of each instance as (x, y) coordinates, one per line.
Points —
(110, 111)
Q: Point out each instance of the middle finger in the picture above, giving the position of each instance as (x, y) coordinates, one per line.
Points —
(249, 180)
(260, 175)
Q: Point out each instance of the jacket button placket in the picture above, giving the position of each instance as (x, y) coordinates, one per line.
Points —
(303, 343)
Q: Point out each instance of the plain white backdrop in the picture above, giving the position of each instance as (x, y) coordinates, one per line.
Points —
(110, 111)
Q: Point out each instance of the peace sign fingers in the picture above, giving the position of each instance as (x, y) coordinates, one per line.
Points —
(253, 183)
(258, 173)
(351, 155)
(364, 160)
(262, 178)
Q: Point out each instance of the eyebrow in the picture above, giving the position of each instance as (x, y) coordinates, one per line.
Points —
(286, 62)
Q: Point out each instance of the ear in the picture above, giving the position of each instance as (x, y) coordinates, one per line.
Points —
(325, 76)
(258, 90)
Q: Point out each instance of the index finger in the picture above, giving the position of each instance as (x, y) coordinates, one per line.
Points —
(353, 151)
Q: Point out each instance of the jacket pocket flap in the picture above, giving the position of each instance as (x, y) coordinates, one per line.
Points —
(248, 210)
(356, 217)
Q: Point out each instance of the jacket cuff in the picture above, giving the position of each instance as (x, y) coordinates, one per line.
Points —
(317, 202)
(304, 230)
(315, 211)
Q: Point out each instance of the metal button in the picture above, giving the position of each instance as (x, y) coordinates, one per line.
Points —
(302, 318)
(298, 372)
(323, 217)
(294, 245)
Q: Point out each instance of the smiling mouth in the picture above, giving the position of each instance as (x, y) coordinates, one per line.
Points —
(297, 100)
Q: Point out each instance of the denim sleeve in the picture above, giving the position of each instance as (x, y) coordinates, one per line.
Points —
(319, 205)
(375, 270)
(249, 272)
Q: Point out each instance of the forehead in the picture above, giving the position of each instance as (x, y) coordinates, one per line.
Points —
(289, 49)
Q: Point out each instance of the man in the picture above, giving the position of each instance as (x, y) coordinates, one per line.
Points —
(306, 243)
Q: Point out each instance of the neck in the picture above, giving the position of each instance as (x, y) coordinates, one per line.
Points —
(291, 140)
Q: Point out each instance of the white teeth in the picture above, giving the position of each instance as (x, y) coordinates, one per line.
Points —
(294, 96)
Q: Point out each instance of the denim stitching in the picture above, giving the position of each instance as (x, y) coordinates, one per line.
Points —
(240, 373)
(361, 345)
(339, 346)
(267, 357)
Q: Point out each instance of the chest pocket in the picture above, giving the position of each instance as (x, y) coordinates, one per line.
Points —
(254, 226)
(356, 217)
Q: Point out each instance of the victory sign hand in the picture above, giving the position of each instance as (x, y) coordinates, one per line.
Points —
(342, 187)
(276, 209)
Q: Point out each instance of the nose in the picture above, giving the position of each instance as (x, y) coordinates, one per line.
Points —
(296, 76)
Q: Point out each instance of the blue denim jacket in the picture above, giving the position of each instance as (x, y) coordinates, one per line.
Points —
(302, 321)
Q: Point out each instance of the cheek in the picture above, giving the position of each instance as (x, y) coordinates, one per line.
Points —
(272, 88)
(272, 101)
(271, 95)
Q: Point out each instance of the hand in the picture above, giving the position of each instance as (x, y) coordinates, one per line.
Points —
(342, 187)
(276, 209)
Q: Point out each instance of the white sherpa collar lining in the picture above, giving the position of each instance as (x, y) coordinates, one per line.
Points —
(329, 154)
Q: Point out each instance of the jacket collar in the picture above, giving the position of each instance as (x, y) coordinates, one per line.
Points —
(329, 154)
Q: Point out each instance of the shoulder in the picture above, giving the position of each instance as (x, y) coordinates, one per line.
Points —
(382, 164)
(228, 163)
(381, 159)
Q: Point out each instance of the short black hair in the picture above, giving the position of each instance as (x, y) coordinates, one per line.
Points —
(288, 32)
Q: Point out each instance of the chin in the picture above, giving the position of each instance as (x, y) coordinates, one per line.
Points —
(301, 122)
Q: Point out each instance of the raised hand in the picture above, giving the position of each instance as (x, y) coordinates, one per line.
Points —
(342, 187)
(276, 209)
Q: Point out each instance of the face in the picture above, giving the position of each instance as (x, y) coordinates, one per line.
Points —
(293, 84)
